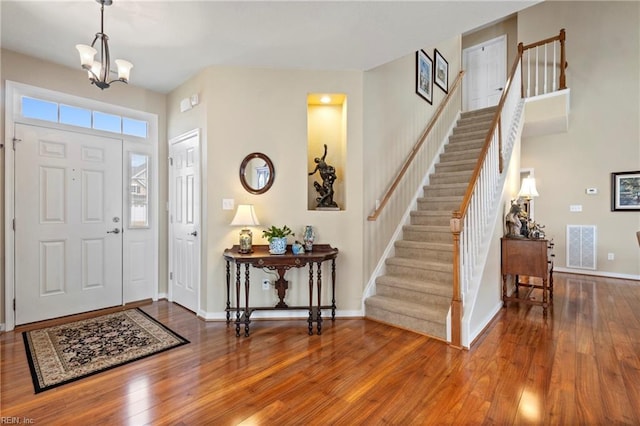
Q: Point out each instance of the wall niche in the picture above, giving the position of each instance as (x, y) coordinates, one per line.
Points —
(326, 125)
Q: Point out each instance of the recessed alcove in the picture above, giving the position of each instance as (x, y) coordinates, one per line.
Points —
(326, 125)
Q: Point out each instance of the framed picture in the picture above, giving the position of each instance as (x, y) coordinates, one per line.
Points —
(424, 76)
(625, 191)
(441, 74)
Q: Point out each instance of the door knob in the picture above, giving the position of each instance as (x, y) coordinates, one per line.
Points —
(194, 233)
(114, 231)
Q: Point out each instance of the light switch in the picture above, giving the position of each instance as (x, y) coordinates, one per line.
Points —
(575, 208)
(591, 191)
(227, 203)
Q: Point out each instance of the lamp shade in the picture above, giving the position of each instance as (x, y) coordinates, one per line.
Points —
(245, 216)
(124, 69)
(87, 53)
(528, 189)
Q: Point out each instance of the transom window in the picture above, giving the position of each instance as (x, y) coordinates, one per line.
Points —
(82, 117)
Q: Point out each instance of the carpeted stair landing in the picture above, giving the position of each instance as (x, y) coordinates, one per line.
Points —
(416, 290)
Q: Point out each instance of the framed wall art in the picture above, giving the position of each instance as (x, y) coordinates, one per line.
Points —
(441, 74)
(625, 191)
(424, 76)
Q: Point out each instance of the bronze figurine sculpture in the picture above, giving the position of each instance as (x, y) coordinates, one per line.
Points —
(328, 176)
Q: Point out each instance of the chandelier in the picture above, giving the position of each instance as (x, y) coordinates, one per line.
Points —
(98, 71)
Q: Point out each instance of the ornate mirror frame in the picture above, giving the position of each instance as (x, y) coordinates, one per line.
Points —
(244, 169)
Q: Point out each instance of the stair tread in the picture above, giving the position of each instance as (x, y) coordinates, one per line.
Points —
(476, 112)
(420, 264)
(429, 213)
(447, 185)
(456, 142)
(472, 161)
(451, 173)
(425, 245)
(436, 313)
(428, 228)
(433, 287)
(436, 198)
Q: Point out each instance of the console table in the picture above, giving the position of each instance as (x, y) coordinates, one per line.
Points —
(532, 258)
(280, 263)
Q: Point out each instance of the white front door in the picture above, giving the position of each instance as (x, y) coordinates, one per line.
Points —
(485, 73)
(184, 220)
(68, 227)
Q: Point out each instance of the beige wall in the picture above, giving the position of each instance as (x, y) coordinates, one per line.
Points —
(265, 110)
(28, 70)
(395, 117)
(603, 52)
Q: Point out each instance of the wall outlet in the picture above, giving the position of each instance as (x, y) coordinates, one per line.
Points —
(611, 256)
(266, 284)
(575, 208)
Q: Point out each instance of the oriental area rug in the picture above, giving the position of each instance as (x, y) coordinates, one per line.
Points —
(64, 353)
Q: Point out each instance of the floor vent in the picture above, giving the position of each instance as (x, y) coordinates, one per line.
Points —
(581, 246)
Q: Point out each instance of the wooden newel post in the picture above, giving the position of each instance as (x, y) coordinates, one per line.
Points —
(563, 60)
(456, 302)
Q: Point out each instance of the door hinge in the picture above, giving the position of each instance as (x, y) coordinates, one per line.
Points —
(14, 304)
(171, 275)
(170, 161)
(13, 224)
(16, 140)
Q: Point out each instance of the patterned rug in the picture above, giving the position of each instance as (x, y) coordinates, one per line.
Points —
(68, 352)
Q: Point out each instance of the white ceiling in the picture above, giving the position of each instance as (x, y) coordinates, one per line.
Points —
(170, 41)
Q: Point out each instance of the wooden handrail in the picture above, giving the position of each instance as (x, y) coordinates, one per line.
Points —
(415, 149)
(560, 37)
(487, 141)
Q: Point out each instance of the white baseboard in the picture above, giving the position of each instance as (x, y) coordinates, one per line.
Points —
(1, 327)
(597, 273)
(482, 325)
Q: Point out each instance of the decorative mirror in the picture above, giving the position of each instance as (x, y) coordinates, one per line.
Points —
(257, 173)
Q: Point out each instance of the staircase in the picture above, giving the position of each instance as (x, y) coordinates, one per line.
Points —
(416, 290)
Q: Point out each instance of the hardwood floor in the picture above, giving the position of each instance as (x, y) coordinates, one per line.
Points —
(580, 365)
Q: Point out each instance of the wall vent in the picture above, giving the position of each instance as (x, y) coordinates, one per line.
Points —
(581, 246)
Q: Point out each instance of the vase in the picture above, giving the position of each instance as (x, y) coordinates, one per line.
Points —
(278, 245)
(308, 236)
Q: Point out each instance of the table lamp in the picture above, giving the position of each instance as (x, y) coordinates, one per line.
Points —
(528, 189)
(245, 216)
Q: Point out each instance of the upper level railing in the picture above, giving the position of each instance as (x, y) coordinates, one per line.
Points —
(543, 66)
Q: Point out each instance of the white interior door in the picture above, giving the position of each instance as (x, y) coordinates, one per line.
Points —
(184, 218)
(68, 210)
(485, 73)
